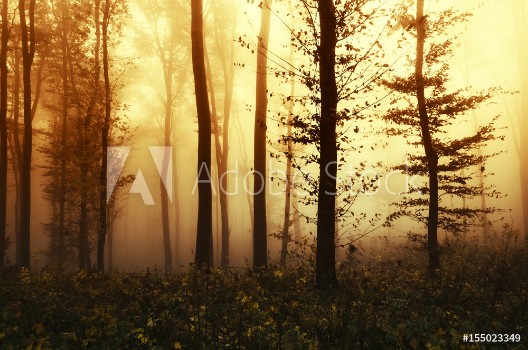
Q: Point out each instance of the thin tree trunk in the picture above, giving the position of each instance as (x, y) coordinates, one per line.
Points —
(228, 75)
(64, 131)
(84, 129)
(28, 52)
(296, 217)
(167, 73)
(176, 203)
(204, 235)
(289, 157)
(221, 167)
(325, 273)
(3, 131)
(17, 147)
(244, 161)
(521, 12)
(260, 235)
(430, 153)
(228, 93)
(101, 238)
(38, 85)
(110, 238)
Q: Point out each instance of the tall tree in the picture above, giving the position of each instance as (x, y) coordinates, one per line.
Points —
(85, 133)
(260, 235)
(101, 237)
(288, 203)
(448, 161)
(163, 43)
(64, 131)
(325, 272)
(225, 54)
(430, 152)
(167, 60)
(204, 235)
(28, 52)
(520, 11)
(3, 130)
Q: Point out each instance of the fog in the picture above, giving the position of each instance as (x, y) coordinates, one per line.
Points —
(486, 55)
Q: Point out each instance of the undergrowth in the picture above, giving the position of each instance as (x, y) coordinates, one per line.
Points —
(382, 303)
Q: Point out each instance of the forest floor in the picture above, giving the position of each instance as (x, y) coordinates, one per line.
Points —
(383, 303)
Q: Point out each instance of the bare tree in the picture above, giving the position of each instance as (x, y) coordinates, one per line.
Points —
(204, 235)
(260, 245)
(3, 130)
(101, 238)
(28, 53)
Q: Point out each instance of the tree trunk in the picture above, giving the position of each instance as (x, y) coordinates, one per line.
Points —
(521, 11)
(221, 167)
(167, 74)
(3, 131)
(176, 212)
(28, 52)
(260, 244)
(64, 130)
(289, 156)
(325, 272)
(204, 234)
(228, 93)
(296, 217)
(17, 147)
(101, 238)
(430, 153)
(110, 238)
(84, 248)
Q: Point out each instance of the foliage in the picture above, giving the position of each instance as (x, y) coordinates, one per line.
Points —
(80, 105)
(383, 303)
(459, 128)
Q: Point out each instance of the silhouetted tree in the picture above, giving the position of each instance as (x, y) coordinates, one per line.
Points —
(260, 245)
(447, 161)
(3, 130)
(163, 42)
(285, 239)
(64, 131)
(325, 272)
(204, 235)
(28, 52)
(430, 152)
(101, 237)
(356, 63)
(222, 31)
(520, 11)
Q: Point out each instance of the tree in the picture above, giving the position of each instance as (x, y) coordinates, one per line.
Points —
(204, 235)
(3, 130)
(325, 272)
(225, 54)
(101, 237)
(447, 160)
(356, 62)
(520, 11)
(64, 130)
(430, 152)
(163, 43)
(260, 235)
(28, 52)
(289, 155)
